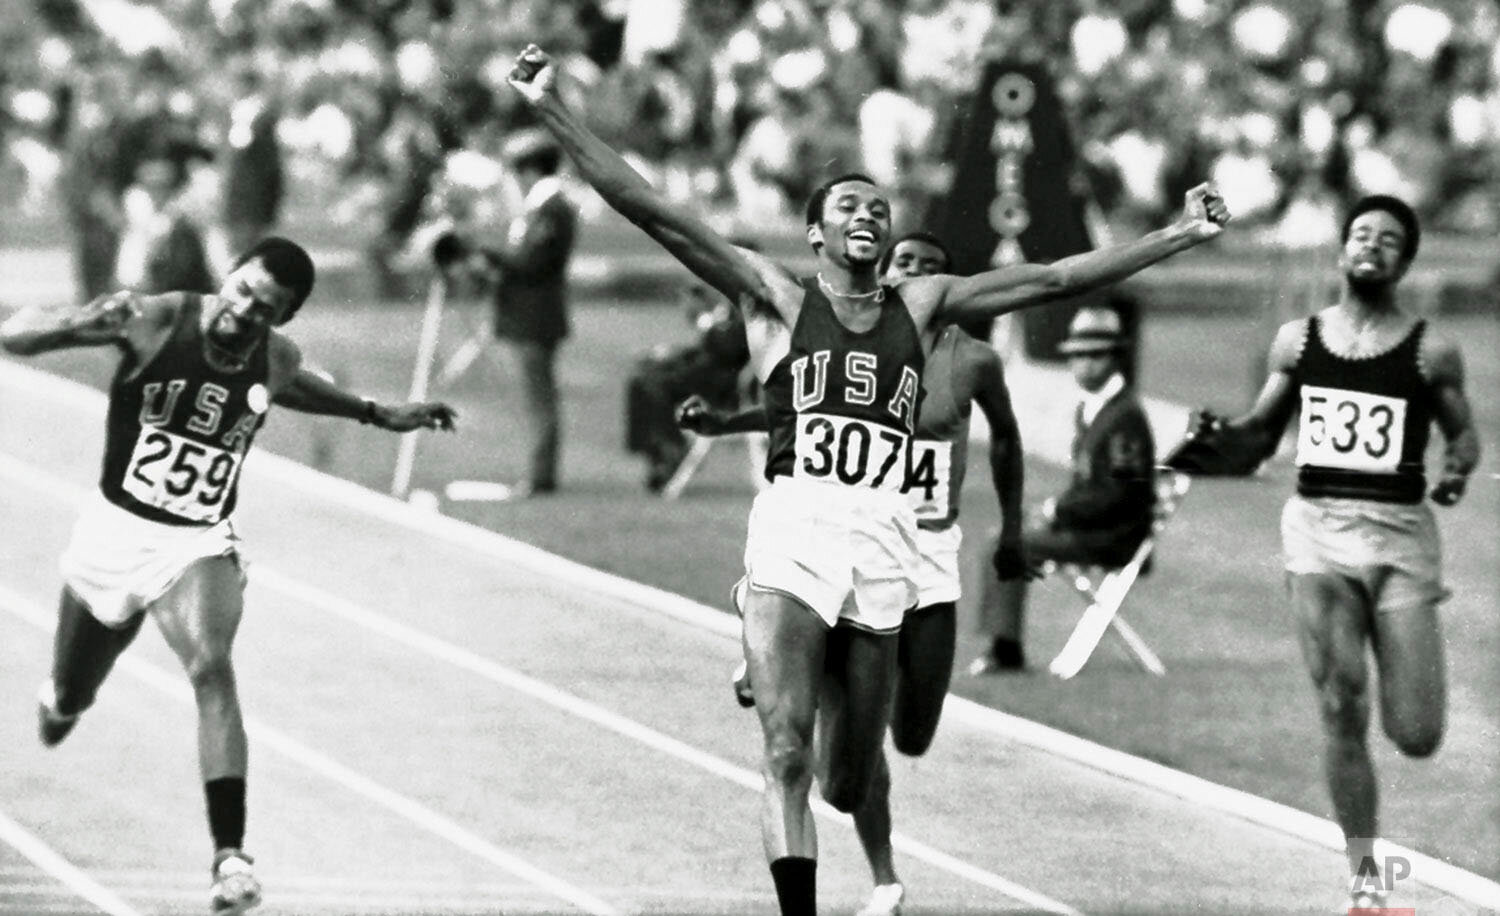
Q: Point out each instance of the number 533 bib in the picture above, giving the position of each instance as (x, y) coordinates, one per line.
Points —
(1350, 430)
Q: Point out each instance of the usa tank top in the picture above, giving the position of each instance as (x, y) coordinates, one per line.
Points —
(1365, 421)
(177, 428)
(842, 405)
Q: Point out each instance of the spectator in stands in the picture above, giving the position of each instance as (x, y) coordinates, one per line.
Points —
(531, 297)
(1105, 512)
(161, 246)
(253, 180)
(90, 198)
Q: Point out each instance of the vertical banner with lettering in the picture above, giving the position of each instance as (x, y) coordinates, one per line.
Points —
(1012, 197)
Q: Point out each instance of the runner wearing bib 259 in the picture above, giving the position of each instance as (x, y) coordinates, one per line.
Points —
(194, 378)
(1366, 380)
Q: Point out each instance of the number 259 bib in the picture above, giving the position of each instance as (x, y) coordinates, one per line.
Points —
(180, 476)
(850, 451)
(1351, 430)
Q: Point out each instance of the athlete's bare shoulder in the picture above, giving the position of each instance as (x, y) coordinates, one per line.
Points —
(780, 294)
(153, 317)
(922, 295)
(284, 361)
(1286, 346)
(1440, 357)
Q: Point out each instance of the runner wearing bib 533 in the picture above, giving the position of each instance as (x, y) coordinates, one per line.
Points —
(1366, 381)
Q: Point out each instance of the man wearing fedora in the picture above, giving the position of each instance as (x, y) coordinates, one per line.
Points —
(1105, 512)
(531, 297)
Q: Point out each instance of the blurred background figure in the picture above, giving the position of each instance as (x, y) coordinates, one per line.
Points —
(252, 178)
(711, 366)
(162, 246)
(531, 297)
(1106, 511)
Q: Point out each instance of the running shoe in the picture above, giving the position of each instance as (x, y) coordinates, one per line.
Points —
(235, 888)
(743, 694)
(885, 900)
(1367, 900)
(51, 725)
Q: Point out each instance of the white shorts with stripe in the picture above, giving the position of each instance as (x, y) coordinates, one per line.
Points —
(848, 553)
(937, 566)
(118, 563)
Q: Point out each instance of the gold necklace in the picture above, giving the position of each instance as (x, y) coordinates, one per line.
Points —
(878, 292)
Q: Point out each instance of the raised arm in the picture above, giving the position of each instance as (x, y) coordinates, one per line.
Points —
(745, 278)
(301, 389)
(995, 292)
(1455, 419)
(37, 329)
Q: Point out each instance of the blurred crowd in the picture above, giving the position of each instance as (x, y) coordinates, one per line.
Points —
(394, 110)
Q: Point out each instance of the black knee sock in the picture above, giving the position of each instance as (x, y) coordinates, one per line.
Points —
(226, 811)
(796, 880)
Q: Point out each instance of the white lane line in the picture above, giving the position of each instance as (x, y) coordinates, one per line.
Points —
(315, 485)
(38, 480)
(174, 686)
(48, 860)
(486, 669)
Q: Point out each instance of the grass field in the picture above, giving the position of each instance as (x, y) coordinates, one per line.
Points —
(1235, 706)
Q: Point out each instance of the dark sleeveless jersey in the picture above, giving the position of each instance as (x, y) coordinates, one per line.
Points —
(939, 453)
(178, 429)
(1364, 425)
(842, 406)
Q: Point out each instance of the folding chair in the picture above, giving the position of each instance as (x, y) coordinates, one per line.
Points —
(1106, 598)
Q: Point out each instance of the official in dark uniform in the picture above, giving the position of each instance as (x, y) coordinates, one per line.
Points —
(1105, 513)
(531, 298)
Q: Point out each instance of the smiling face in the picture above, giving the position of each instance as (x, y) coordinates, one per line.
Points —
(1374, 253)
(855, 225)
(249, 304)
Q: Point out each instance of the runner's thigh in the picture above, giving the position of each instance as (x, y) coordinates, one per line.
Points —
(854, 707)
(1333, 625)
(1409, 654)
(925, 666)
(200, 614)
(784, 644)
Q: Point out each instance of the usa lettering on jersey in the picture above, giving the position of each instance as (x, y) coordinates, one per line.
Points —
(187, 477)
(860, 375)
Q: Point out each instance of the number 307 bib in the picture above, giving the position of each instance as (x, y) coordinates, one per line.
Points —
(1350, 430)
(850, 451)
(180, 476)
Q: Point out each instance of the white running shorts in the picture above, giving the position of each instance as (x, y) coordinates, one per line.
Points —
(937, 566)
(118, 563)
(848, 553)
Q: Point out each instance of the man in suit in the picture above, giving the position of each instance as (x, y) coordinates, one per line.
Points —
(1105, 513)
(531, 299)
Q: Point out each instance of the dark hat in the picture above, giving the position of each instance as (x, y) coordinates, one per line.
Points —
(1093, 330)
